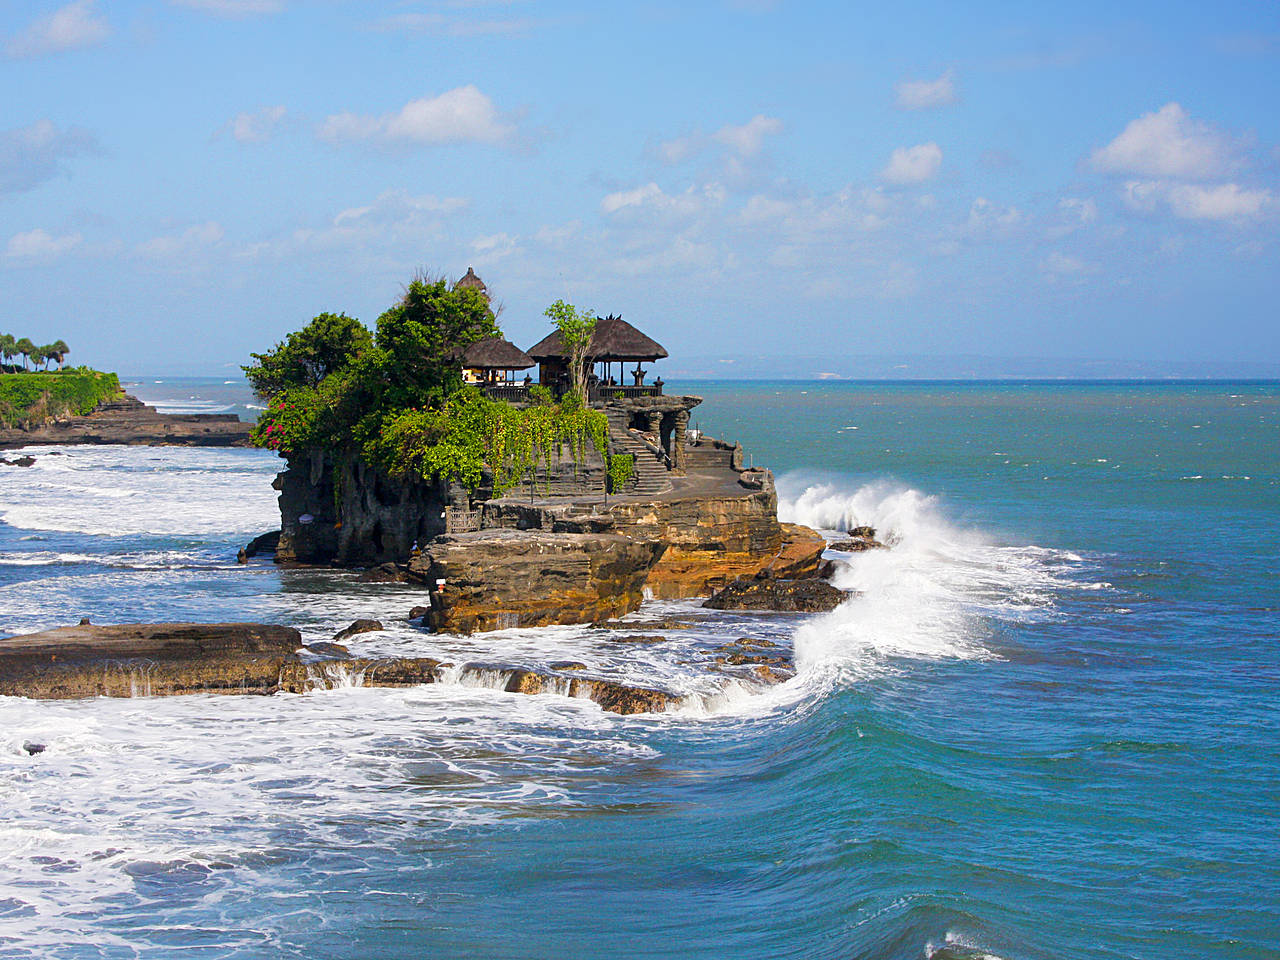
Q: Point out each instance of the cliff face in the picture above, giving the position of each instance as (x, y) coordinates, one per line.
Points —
(342, 512)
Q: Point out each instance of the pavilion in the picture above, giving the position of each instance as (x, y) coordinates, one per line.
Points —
(493, 361)
(613, 341)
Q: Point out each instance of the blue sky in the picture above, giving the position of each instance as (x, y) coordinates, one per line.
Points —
(184, 181)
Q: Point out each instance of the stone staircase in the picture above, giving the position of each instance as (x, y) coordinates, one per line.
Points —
(705, 456)
(651, 477)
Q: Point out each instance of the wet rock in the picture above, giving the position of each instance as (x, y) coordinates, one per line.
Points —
(358, 627)
(637, 638)
(667, 623)
(859, 539)
(772, 675)
(263, 545)
(333, 651)
(125, 660)
(496, 579)
(32, 747)
(386, 573)
(568, 665)
(84, 621)
(683, 572)
(417, 613)
(810, 595)
(24, 461)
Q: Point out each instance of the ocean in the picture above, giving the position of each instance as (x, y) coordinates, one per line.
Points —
(1045, 725)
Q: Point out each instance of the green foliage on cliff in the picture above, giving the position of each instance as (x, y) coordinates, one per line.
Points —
(622, 467)
(397, 400)
(33, 399)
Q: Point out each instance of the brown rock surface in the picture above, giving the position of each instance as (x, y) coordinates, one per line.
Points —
(685, 573)
(138, 659)
(496, 579)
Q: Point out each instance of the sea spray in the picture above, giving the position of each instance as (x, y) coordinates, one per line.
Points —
(934, 593)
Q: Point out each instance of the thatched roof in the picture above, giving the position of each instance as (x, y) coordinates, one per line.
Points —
(494, 353)
(469, 279)
(613, 339)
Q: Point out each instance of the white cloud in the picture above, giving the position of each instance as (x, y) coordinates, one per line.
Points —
(233, 8)
(748, 138)
(40, 245)
(1168, 143)
(985, 215)
(494, 246)
(33, 154)
(1076, 210)
(256, 127)
(908, 165)
(1227, 202)
(462, 115)
(190, 242)
(76, 25)
(924, 94)
(652, 198)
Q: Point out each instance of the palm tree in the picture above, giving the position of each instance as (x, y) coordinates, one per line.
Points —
(59, 351)
(25, 348)
(7, 348)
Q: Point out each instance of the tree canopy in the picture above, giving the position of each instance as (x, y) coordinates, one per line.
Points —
(29, 351)
(397, 399)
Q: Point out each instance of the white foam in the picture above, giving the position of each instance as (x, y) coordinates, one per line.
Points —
(119, 490)
(934, 594)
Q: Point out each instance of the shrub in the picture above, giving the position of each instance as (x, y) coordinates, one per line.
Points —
(33, 399)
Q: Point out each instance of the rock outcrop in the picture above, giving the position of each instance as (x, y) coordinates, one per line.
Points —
(166, 659)
(761, 593)
(495, 579)
(128, 420)
(150, 658)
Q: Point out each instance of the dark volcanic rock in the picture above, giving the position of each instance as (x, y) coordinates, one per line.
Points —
(263, 545)
(149, 658)
(357, 627)
(27, 461)
(33, 748)
(417, 613)
(802, 596)
(386, 573)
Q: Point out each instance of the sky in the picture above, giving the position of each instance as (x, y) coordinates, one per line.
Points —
(834, 186)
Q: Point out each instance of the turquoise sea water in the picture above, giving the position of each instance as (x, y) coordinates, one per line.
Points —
(1044, 727)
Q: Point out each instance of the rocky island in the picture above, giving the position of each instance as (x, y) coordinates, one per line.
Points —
(416, 455)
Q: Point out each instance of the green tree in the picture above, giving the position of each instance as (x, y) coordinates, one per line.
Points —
(25, 348)
(7, 347)
(58, 350)
(41, 356)
(328, 344)
(576, 329)
(421, 336)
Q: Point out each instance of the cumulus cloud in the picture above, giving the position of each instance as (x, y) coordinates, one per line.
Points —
(908, 165)
(745, 140)
(1168, 143)
(256, 127)
(190, 242)
(748, 138)
(40, 245)
(462, 115)
(76, 25)
(985, 215)
(233, 8)
(926, 94)
(33, 154)
(1224, 202)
